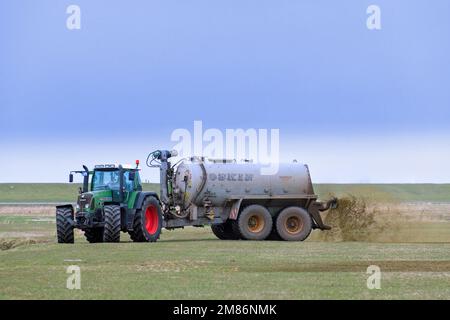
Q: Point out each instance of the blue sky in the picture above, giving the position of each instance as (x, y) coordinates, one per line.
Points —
(357, 105)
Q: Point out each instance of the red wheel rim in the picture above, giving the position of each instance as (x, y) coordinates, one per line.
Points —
(151, 219)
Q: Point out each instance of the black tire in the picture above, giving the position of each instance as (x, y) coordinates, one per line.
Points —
(136, 234)
(147, 222)
(111, 232)
(294, 224)
(253, 223)
(64, 229)
(224, 231)
(273, 235)
(94, 235)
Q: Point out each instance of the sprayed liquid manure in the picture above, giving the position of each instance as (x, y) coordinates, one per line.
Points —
(354, 220)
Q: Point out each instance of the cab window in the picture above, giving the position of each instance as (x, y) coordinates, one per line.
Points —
(127, 183)
(105, 180)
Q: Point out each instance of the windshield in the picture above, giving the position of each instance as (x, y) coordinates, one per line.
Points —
(109, 180)
(105, 180)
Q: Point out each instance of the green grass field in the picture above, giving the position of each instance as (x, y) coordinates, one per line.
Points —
(413, 254)
(193, 264)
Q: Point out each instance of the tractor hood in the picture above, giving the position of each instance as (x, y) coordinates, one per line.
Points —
(84, 201)
(88, 201)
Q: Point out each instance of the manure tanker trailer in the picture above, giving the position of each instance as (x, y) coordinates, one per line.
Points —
(235, 199)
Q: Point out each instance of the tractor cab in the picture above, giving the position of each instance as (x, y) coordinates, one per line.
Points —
(117, 179)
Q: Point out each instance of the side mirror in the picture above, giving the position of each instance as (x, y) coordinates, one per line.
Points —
(132, 175)
(71, 178)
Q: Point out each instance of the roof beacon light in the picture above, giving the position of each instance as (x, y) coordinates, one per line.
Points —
(137, 163)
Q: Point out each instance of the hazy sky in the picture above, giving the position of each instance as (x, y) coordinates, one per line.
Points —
(357, 105)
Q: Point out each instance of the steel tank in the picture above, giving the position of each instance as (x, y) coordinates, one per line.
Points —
(197, 181)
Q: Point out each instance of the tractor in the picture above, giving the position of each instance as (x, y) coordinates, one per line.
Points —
(113, 201)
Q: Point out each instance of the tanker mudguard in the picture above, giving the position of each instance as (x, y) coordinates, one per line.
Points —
(141, 197)
(234, 211)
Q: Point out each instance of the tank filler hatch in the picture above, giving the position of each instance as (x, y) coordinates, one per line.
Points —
(222, 160)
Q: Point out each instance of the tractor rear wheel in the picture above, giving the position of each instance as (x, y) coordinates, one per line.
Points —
(64, 229)
(224, 231)
(147, 222)
(111, 232)
(94, 235)
(253, 223)
(294, 224)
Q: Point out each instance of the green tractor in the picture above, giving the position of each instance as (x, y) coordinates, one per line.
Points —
(112, 202)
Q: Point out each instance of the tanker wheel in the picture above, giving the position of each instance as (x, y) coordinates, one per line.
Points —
(294, 224)
(253, 223)
(64, 229)
(273, 235)
(224, 231)
(111, 231)
(147, 222)
(94, 235)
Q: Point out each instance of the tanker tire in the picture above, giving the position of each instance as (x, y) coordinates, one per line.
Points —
(64, 229)
(274, 236)
(235, 229)
(94, 235)
(294, 224)
(111, 232)
(147, 223)
(224, 231)
(253, 223)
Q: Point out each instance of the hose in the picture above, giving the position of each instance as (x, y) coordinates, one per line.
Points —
(154, 155)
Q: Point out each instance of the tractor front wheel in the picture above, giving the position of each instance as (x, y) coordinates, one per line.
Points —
(64, 229)
(111, 232)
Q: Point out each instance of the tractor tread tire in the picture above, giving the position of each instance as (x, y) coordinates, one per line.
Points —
(111, 232)
(136, 234)
(64, 229)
